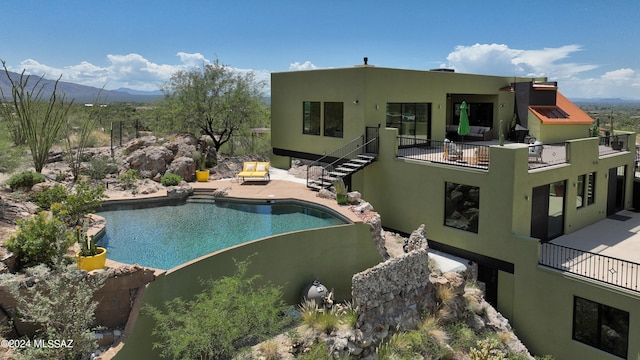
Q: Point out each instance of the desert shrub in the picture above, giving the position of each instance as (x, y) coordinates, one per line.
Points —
(100, 166)
(398, 346)
(61, 305)
(83, 200)
(25, 180)
(269, 350)
(170, 179)
(318, 351)
(40, 240)
(61, 176)
(128, 179)
(462, 337)
(328, 321)
(10, 154)
(487, 349)
(49, 196)
(231, 313)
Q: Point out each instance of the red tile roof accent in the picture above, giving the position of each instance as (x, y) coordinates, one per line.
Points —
(564, 112)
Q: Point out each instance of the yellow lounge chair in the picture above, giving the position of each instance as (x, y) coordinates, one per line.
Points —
(254, 170)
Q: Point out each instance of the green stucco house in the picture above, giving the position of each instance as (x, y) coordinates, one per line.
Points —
(502, 207)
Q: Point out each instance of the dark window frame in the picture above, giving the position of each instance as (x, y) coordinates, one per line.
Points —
(479, 113)
(411, 118)
(469, 219)
(333, 119)
(590, 190)
(604, 316)
(586, 190)
(309, 118)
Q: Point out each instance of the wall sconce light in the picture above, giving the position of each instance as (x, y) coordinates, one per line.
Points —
(439, 106)
(377, 107)
(355, 101)
(526, 197)
(501, 105)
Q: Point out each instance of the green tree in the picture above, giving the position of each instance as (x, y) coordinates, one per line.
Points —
(31, 119)
(231, 313)
(61, 305)
(213, 100)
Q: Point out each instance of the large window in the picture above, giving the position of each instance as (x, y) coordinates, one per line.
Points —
(601, 326)
(411, 119)
(462, 206)
(480, 114)
(311, 118)
(333, 119)
(585, 190)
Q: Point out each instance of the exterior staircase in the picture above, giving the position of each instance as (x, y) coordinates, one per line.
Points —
(344, 161)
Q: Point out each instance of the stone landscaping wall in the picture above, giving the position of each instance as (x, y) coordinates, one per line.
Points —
(115, 299)
(393, 294)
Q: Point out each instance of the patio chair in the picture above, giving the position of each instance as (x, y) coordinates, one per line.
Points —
(482, 156)
(535, 151)
(451, 151)
(254, 170)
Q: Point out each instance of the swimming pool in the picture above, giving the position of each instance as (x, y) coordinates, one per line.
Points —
(164, 237)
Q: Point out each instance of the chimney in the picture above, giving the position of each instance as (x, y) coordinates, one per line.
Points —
(366, 60)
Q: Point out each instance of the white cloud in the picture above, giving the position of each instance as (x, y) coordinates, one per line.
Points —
(307, 65)
(131, 71)
(499, 59)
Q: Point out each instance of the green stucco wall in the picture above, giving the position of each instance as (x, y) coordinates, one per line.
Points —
(556, 133)
(374, 87)
(332, 255)
(537, 302)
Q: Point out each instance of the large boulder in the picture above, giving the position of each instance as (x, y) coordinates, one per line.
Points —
(183, 145)
(139, 143)
(183, 166)
(417, 240)
(149, 161)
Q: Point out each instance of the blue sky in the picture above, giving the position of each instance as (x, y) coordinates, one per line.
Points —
(591, 47)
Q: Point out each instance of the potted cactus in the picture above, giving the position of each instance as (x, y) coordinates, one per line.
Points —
(341, 191)
(202, 173)
(90, 257)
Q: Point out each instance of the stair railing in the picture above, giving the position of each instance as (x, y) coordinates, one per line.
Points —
(354, 148)
(330, 158)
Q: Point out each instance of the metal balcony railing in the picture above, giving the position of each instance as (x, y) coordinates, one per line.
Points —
(438, 151)
(606, 269)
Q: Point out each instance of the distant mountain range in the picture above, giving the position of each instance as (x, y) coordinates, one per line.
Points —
(86, 94)
(605, 100)
(82, 93)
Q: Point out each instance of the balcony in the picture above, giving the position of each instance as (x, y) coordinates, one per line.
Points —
(476, 154)
(607, 251)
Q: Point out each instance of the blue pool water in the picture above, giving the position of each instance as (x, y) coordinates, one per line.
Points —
(167, 236)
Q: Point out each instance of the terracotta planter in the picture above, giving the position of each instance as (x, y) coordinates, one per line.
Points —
(92, 262)
(202, 176)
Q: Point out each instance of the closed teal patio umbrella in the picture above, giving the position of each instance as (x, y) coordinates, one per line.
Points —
(463, 125)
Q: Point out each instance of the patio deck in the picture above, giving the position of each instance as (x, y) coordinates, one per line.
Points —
(607, 251)
(617, 236)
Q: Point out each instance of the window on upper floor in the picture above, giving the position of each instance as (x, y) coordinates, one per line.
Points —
(480, 114)
(333, 119)
(591, 188)
(601, 326)
(311, 118)
(411, 119)
(462, 206)
(585, 190)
